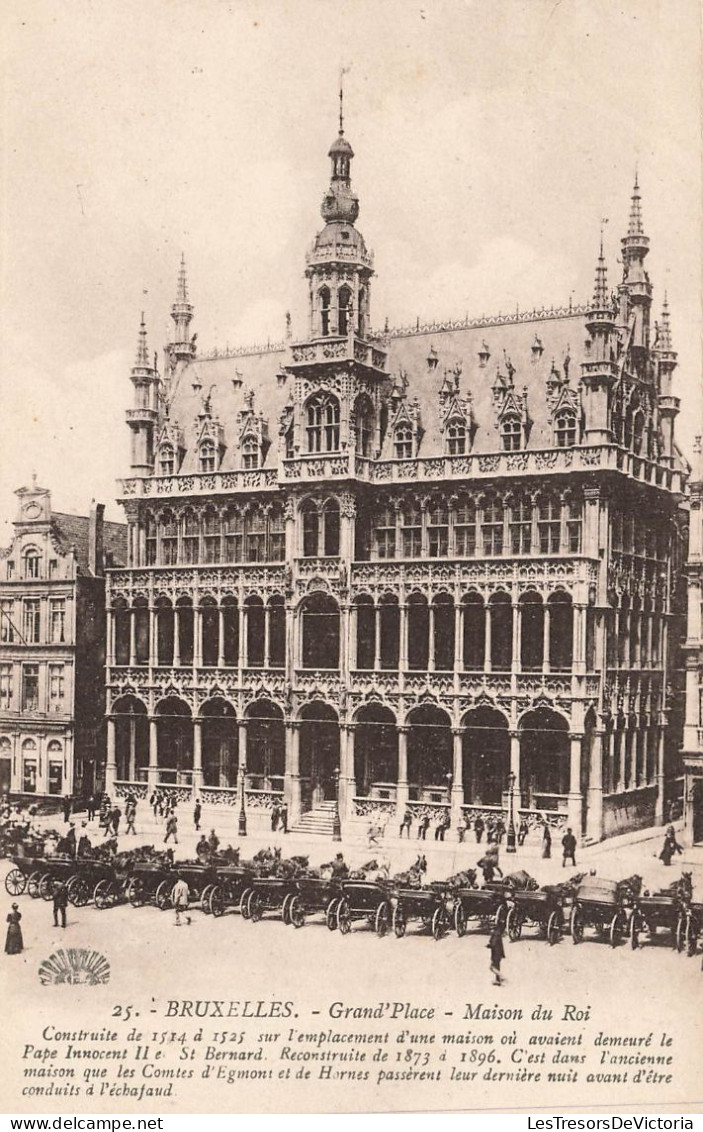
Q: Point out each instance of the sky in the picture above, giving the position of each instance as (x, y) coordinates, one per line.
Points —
(492, 137)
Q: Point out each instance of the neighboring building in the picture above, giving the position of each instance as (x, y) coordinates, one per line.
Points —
(52, 647)
(693, 649)
(410, 567)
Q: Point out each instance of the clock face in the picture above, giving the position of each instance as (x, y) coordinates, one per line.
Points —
(31, 510)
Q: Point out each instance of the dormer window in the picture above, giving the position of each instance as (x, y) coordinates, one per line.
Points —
(511, 433)
(456, 438)
(250, 452)
(32, 563)
(403, 442)
(208, 456)
(167, 460)
(565, 430)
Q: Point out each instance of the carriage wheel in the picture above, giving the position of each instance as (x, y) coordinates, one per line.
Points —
(285, 910)
(554, 926)
(514, 925)
(162, 896)
(244, 903)
(632, 931)
(576, 925)
(680, 932)
(344, 916)
(254, 907)
(33, 884)
(616, 929)
(296, 912)
(46, 887)
(215, 902)
(205, 899)
(439, 922)
(134, 892)
(15, 882)
(331, 914)
(459, 919)
(102, 894)
(400, 922)
(79, 892)
(691, 936)
(382, 919)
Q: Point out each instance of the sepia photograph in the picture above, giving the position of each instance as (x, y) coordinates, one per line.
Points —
(351, 558)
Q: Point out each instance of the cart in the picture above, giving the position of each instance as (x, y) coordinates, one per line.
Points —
(226, 886)
(25, 876)
(542, 908)
(151, 883)
(427, 905)
(41, 876)
(314, 896)
(649, 913)
(105, 881)
(488, 906)
(363, 900)
(597, 904)
(267, 894)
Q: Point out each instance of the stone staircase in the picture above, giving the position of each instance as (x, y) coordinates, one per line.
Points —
(318, 822)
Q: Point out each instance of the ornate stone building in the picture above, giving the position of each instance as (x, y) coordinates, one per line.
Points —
(52, 638)
(693, 650)
(421, 567)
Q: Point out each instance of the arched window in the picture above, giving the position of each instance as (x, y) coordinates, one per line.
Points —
(320, 632)
(492, 528)
(364, 415)
(456, 438)
(403, 442)
(361, 317)
(150, 539)
(565, 430)
(324, 297)
(438, 529)
(344, 299)
(511, 433)
(211, 535)
(411, 530)
(521, 526)
(638, 432)
(191, 538)
(169, 539)
(167, 460)
(323, 423)
(32, 562)
(250, 452)
(330, 520)
(311, 528)
(384, 532)
(465, 527)
(207, 456)
(549, 524)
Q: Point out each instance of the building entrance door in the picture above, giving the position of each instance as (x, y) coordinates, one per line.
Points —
(319, 755)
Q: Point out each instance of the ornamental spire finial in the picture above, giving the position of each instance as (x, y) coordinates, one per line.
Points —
(142, 350)
(182, 290)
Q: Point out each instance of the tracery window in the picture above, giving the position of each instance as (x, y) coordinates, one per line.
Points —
(250, 452)
(456, 438)
(150, 540)
(573, 525)
(411, 530)
(167, 460)
(191, 538)
(344, 299)
(511, 431)
(364, 415)
(32, 562)
(207, 456)
(565, 430)
(521, 526)
(256, 536)
(465, 527)
(403, 442)
(169, 539)
(549, 524)
(385, 532)
(277, 534)
(438, 529)
(211, 536)
(492, 528)
(324, 297)
(323, 423)
(233, 534)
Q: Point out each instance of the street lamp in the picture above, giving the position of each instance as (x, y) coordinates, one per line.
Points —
(336, 824)
(242, 803)
(510, 839)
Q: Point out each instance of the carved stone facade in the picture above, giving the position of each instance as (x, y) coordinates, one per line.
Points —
(450, 579)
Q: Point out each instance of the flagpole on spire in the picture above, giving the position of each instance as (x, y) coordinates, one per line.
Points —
(342, 72)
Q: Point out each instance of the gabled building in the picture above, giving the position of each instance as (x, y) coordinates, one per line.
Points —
(52, 647)
(425, 567)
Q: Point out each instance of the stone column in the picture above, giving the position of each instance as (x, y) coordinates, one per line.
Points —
(242, 636)
(220, 637)
(346, 770)
(132, 637)
(575, 800)
(153, 771)
(457, 793)
(403, 617)
(353, 630)
(430, 634)
(377, 636)
(153, 637)
(579, 657)
(111, 760)
(458, 638)
(517, 635)
(110, 637)
(197, 757)
(487, 642)
(132, 772)
(291, 782)
(197, 637)
(267, 627)
(545, 637)
(401, 797)
(176, 637)
(661, 777)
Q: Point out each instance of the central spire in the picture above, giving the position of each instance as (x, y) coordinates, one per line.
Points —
(340, 203)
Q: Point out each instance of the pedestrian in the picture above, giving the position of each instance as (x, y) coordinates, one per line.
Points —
(375, 831)
(115, 820)
(283, 818)
(422, 828)
(546, 841)
(152, 801)
(462, 830)
(497, 950)
(568, 844)
(84, 845)
(275, 815)
(522, 832)
(60, 904)
(670, 846)
(202, 849)
(130, 814)
(214, 842)
(500, 831)
(442, 827)
(13, 940)
(197, 813)
(90, 807)
(490, 831)
(489, 865)
(478, 829)
(406, 822)
(172, 829)
(340, 870)
(70, 841)
(180, 895)
(66, 807)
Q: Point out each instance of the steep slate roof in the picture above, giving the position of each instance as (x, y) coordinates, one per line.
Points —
(73, 531)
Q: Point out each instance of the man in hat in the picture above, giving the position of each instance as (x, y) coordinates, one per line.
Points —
(84, 845)
(340, 869)
(497, 950)
(197, 813)
(180, 895)
(66, 807)
(60, 903)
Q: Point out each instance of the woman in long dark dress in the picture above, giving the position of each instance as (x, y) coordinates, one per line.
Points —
(14, 942)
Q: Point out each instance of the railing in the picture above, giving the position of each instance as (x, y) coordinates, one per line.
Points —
(373, 808)
(125, 788)
(339, 347)
(200, 483)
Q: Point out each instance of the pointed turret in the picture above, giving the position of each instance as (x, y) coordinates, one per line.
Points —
(599, 370)
(600, 289)
(667, 360)
(183, 346)
(635, 291)
(143, 416)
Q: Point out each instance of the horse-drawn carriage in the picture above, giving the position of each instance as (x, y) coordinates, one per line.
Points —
(364, 900)
(225, 887)
(267, 894)
(314, 896)
(151, 882)
(39, 877)
(600, 904)
(487, 906)
(543, 908)
(426, 904)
